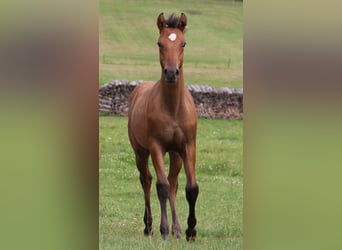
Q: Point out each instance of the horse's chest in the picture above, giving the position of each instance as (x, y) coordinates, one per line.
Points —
(172, 135)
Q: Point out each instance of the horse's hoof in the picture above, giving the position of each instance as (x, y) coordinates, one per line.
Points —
(191, 238)
(190, 235)
(148, 232)
(165, 237)
(177, 235)
(176, 232)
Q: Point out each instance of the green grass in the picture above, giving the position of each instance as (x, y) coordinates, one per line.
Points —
(128, 36)
(219, 205)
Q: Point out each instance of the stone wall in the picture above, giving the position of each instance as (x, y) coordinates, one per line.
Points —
(226, 103)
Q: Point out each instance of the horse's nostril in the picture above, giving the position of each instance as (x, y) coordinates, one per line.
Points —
(165, 71)
(177, 72)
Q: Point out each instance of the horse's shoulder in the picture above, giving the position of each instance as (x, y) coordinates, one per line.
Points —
(143, 86)
(188, 97)
(141, 89)
(146, 85)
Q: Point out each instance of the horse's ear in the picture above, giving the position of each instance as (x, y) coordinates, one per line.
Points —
(182, 22)
(161, 23)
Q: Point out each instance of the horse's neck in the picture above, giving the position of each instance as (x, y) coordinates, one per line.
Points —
(173, 95)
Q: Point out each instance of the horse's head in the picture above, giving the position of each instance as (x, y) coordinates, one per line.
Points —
(171, 44)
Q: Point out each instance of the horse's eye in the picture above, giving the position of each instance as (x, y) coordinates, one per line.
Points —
(159, 44)
(183, 44)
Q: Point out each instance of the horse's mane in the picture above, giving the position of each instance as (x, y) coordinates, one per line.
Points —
(172, 21)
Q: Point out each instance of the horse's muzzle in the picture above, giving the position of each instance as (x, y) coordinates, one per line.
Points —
(171, 76)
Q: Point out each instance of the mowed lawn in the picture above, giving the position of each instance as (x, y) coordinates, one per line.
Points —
(219, 205)
(128, 37)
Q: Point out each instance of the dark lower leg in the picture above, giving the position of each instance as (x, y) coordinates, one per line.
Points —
(176, 231)
(191, 196)
(163, 195)
(146, 181)
(148, 220)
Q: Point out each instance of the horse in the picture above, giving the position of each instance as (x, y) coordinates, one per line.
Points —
(162, 119)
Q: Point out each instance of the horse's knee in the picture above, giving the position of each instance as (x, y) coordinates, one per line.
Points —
(163, 190)
(191, 194)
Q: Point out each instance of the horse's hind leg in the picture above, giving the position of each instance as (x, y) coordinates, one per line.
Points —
(175, 167)
(145, 180)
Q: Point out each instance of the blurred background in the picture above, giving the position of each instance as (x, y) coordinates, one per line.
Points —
(50, 53)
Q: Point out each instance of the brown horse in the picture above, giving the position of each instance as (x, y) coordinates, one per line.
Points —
(162, 118)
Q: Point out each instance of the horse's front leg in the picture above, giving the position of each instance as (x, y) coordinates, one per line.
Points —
(191, 189)
(163, 186)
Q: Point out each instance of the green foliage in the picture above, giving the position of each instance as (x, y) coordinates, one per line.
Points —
(128, 36)
(219, 174)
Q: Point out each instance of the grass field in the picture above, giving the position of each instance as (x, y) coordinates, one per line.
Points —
(219, 175)
(128, 36)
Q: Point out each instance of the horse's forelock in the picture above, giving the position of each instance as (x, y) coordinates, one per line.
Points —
(172, 21)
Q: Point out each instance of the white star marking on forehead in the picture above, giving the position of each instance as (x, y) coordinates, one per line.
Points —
(172, 37)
